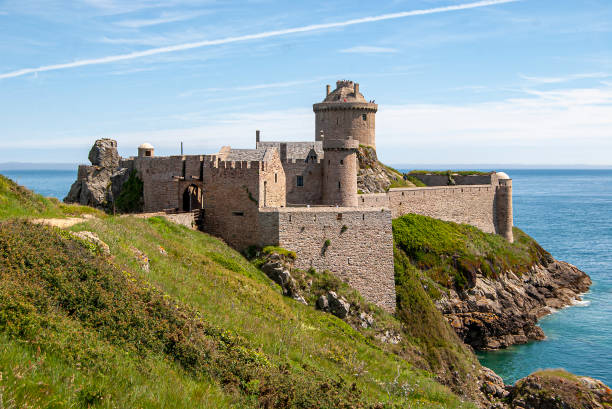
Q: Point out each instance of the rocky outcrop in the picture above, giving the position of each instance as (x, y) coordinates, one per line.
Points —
(334, 304)
(557, 389)
(278, 268)
(93, 238)
(498, 312)
(373, 176)
(98, 184)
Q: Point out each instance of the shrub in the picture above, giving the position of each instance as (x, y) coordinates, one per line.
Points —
(130, 199)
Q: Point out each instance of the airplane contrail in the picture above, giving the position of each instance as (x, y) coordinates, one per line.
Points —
(256, 36)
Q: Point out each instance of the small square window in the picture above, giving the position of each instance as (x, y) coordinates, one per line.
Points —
(364, 117)
(339, 216)
(238, 213)
(299, 180)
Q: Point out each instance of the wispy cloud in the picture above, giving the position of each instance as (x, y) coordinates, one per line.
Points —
(164, 18)
(257, 87)
(250, 37)
(566, 78)
(368, 49)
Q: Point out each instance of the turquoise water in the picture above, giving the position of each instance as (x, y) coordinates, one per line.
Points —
(570, 213)
(53, 183)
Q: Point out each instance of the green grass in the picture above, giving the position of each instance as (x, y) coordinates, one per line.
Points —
(203, 327)
(17, 201)
(452, 254)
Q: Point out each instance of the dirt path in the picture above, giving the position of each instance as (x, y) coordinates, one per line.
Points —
(62, 223)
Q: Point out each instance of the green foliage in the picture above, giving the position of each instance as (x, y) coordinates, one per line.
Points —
(202, 328)
(425, 324)
(17, 201)
(415, 181)
(452, 254)
(130, 199)
(279, 250)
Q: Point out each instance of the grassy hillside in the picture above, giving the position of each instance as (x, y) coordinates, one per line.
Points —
(17, 201)
(451, 254)
(175, 318)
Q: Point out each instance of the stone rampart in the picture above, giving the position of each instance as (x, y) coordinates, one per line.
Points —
(431, 179)
(460, 204)
(360, 249)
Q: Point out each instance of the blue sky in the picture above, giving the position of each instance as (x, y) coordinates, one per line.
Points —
(488, 82)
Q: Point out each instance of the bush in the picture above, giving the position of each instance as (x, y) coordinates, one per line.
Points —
(130, 199)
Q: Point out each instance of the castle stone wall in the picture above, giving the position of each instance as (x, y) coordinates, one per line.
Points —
(231, 201)
(361, 253)
(460, 204)
(373, 200)
(160, 183)
(310, 192)
(442, 180)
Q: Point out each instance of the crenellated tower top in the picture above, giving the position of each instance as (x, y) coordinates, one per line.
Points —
(345, 111)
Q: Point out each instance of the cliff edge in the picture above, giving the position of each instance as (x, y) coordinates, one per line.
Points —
(492, 292)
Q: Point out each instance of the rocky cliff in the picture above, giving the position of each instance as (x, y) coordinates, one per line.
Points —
(491, 291)
(373, 176)
(498, 312)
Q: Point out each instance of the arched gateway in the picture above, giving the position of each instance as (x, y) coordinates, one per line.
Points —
(192, 198)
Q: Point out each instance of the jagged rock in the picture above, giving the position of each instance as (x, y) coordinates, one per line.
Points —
(337, 305)
(372, 176)
(390, 337)
(276, 269)
(93, 238)
(92, 187)
(334, 304)
(498, 312)
(559, 390)
(366, 320)
(104, 153)
(322, 303)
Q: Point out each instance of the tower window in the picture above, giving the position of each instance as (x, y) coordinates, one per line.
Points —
(147, 153)
(341, 162)
(299, 180)
(364, 117)
(339, 185)
(275, 178)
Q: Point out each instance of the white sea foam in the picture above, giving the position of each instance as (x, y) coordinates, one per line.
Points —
(581, 303)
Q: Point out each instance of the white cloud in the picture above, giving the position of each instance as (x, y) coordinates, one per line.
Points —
(249, 37)
(566, 78)
(366, 49)
(542, 127)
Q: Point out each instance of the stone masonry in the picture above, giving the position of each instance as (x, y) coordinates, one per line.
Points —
(300, 195)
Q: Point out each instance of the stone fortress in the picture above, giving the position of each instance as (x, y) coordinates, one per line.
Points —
(303, 195)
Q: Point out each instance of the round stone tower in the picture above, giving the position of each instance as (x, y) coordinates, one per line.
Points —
(503, 206)
(345, 111)
(339, 171)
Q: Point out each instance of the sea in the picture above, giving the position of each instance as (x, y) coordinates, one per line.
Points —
(569, 212)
